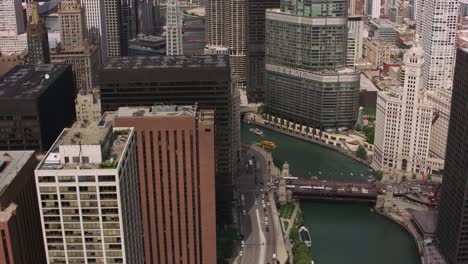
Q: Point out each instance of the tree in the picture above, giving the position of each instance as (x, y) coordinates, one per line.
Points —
(413, 177)
(369, 131)
(378, 175)
(403, 178)
(358, 127)
(361, 152)
(301, 254)
(294, 233)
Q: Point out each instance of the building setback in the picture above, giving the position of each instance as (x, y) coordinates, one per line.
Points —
(452, 220)
(20, 229)
(183, 80)
(88, 196)
(75, 48)
(307, 81)
(36, 103)
(177, 171)
(255, 46)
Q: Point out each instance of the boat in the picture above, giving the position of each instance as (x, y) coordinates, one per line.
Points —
(267, 144)
(256, 131)
(304, 236)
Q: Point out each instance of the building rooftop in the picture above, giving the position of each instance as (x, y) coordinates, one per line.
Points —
(98, 141)
(367, 84)
(27, 81)
(205, 116)
(426, 221)
(11, 162)
(153, 62)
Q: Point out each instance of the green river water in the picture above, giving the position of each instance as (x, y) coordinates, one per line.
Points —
(341, 233)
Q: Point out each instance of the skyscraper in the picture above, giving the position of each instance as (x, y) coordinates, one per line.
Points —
(225, 33)
(38, 42)
(94, 14)
(255, 46)
(403, 121)
(20, 227)
(13, 39)
(36, 103)
(355, 40)
(116, 25)
(177, 166)
(88, 193)
(306, 78)
(173, 29)
(183, 80)
(437, 26)
(75, 48)
(452, 221)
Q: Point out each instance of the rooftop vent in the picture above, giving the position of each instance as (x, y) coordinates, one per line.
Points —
(44, 67)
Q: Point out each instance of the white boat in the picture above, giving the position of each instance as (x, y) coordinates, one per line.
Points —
(256, 131)
(304, 236)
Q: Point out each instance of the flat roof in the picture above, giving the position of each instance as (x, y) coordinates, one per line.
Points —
(164, 110)
(367, 84)
(154, 62)
(27, 81)
(86, 133)
(426, 220)
(11, 162)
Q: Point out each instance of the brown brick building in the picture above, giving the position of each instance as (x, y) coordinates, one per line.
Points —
(20, 225)
(177, 181)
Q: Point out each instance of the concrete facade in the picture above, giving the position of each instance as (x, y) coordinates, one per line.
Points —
(173, 29)
(88, 196)
(88, 106)
(177, 166)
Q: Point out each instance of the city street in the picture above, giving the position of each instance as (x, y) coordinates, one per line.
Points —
(255, 211)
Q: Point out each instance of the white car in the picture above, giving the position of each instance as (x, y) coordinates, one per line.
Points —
(244, 212)
(266, 219)
(241, 253)
(242, 243)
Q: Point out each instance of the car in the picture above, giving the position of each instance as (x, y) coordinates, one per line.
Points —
(242, 243)
(244, 212)
(264, 206)
(268, 204)
(267, 229)
(266, 219)
(241, 253)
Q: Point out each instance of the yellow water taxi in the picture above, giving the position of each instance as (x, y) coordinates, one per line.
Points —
(267, 144)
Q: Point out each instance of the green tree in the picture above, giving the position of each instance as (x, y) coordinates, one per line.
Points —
(294, 233)
(261, 109)
(361, 152)
(378, 175)
(358, 128)
(369, 131)
(301, 254)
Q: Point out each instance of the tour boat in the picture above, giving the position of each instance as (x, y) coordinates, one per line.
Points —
(256, 131)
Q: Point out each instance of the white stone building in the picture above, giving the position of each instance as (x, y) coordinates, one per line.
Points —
(88, 106)
(403, 121)
(174, 29)
(88, 196)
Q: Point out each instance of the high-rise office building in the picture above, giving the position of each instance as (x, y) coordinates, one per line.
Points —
(452, 220)
(177, 166)
(38, 41)
(88, 193)
(355, 40)
(94, 15)
(436, 23)
(75, 48)
(173, 29)
(356, 7)
(145, 16)
(183, 80)
(403, 121)
(306, 78)
(13, 39)
(373, 8)
(225, 33)
(36, 103)
(255, 47)
(21, 237)
(116, 25)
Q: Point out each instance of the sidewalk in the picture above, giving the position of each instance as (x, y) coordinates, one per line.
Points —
(281, 250)
(293, 219)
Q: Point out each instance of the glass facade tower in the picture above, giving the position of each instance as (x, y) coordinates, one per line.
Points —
(306, 79)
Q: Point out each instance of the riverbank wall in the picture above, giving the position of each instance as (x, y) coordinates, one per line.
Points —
(411, 230)
(312, 140)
